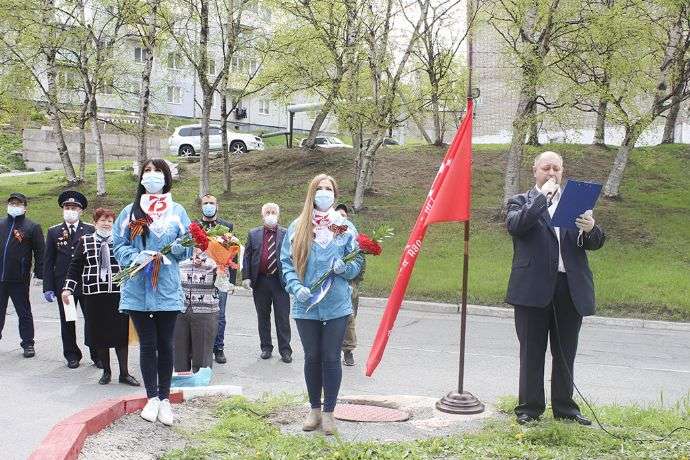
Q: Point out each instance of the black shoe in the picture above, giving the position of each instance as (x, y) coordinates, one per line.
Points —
(523, 419)
(579, 418)
(73, 363)
(29, 351)
(220, 357)
(265, 354)
(348, 359)
(105, 378)
(286, 357)
(129, 380)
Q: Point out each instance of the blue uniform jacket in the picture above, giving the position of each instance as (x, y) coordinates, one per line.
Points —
(137, 294)
(337, 302)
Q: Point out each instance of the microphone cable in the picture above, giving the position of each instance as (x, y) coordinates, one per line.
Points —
(589, 406)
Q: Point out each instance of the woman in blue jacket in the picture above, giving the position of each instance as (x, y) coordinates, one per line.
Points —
(141, 230)
(316, 242)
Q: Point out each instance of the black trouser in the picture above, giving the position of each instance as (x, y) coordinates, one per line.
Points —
(560, 324)
(68, 331)
(322, 342)
(267, 291)
(156, 331)
(19, 293)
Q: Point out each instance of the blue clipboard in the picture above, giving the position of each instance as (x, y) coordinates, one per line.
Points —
(576, 198)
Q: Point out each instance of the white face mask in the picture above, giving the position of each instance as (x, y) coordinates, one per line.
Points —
(323, 199)
(15, 211)
(270, 220)
(70, 215)
(104, 233)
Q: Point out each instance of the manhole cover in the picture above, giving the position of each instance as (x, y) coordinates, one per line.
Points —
(366, 413)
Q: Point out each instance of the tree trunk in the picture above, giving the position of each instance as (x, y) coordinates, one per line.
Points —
(600, 126)
(56, 123)
(669, 136)
(436, 114)
(98, 144)
(533, 136)
(521, 124)
(224, 114)
(204, 176)
(613, 182)
(145, 101)
(365, 169)
(83, 118)
(321, 117)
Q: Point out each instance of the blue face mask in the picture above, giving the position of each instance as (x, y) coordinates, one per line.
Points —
(153, 181)
(209, 210)
(324, 199)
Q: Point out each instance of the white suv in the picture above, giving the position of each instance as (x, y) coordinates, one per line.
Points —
(186, 140)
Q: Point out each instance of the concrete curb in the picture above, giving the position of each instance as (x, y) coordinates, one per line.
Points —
(65, 440)
(504, 312)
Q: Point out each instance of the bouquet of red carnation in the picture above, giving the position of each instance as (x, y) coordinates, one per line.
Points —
(368, 245)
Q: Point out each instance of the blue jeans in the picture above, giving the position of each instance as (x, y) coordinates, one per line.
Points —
(220, 337)
(322, 342)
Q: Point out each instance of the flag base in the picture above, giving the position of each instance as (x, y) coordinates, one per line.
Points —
(460, 403)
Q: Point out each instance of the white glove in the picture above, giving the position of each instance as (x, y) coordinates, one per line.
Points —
(550, 187)
(339, 267)
(303, 294)
(141, 258)
(247, 284)
(585, 222)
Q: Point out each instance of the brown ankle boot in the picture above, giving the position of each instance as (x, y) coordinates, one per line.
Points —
(328, 423)
(313, 420)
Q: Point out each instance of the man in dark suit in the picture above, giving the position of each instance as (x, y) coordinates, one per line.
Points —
(551, 288)
(209, 219)
(19, 239)
(261, 271)
(61, 240)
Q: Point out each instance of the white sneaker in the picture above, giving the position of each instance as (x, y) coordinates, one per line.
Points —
(165, 413)
(150, 410)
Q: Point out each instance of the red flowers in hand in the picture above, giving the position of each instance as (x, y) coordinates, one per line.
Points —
(199, 235)
(368, 245)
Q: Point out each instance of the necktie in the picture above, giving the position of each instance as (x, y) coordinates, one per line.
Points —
(271, 262)
(104, 263)
(71, 231)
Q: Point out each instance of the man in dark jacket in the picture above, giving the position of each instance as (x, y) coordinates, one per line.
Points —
(261, 271)
(61, 240)
(551, 288)
(209, 219)
(19, 239)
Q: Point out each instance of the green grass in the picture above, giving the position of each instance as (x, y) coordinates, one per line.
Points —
(10, 143)
(244, 431)
(642, 270)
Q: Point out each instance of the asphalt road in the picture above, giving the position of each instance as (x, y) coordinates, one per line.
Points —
(614, 364)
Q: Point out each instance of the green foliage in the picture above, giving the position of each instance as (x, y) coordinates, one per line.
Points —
(244, 430)
(9, 159)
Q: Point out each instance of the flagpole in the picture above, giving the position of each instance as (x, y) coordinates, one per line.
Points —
(460, 401)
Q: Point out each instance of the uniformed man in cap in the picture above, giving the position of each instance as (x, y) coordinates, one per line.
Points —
(61, 240)
(19, 239)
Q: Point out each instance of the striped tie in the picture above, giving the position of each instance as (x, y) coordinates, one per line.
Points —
(271, 262)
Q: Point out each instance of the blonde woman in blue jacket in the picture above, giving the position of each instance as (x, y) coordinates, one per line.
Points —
(153, 310)
(316, 242)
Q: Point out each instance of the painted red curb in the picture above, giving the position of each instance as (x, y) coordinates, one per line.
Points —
(65, 440)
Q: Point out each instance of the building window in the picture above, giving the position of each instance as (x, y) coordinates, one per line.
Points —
(253, 66)
(211, 67)
(138, 54)
(174, 61)
(107, 87)
(174, 95)
(264, 106)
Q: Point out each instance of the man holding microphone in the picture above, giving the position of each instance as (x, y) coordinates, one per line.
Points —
(551, 288)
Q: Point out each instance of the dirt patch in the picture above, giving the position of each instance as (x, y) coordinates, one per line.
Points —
(132, 437)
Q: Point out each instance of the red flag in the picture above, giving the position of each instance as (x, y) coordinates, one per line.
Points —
(448, 200)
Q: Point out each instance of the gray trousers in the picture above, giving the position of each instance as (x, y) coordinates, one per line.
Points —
(195, 334)
(350, 340)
